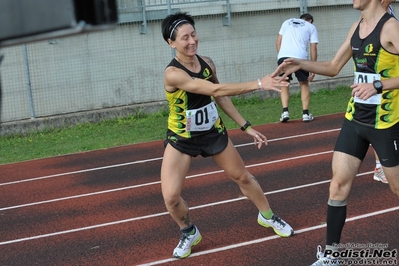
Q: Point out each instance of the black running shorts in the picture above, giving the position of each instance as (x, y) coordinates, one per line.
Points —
(211, 143)
(355, 139)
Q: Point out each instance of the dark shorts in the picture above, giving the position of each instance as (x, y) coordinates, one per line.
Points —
(300, 75)
(355, 139)
(211, 143)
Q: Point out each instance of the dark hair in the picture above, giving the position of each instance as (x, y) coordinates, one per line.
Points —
(308, 17)
(172, 22)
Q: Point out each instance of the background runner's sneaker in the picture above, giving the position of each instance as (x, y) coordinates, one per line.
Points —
(279, 226)
(307, 118)
(183, 249)
(380, 176)
(285, 116)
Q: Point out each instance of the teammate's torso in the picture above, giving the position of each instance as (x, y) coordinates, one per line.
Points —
(373, 62)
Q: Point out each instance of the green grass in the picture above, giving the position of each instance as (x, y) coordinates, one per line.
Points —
(141, 128)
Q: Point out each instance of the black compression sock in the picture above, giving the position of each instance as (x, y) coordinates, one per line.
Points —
(336, 216)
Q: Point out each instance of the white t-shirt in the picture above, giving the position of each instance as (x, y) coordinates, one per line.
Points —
(297, 34)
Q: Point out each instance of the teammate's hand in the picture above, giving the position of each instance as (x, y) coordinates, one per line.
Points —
(289, 66)
(274, 83)
(311, 77)
(363, 90)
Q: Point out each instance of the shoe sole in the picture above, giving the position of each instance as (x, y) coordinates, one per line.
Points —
(308, 120)
(275, 230)
(189, 251)
(284, 119)
(376, 178)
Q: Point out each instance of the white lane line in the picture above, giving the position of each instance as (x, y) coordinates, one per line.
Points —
(79, 171)
(153, 183)
(77, 196)
(155, 215)
(256, 241)
(293, 137)
(146, 160)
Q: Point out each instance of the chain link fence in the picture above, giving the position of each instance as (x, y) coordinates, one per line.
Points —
(106, 74)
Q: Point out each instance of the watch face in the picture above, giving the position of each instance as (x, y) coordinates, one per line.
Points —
(378, 86)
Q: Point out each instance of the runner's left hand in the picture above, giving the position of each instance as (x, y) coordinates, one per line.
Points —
(259, 138)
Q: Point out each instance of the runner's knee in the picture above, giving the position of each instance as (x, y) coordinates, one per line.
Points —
(244, 178)
(172, 201)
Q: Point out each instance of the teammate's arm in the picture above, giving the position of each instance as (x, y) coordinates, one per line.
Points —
(325, 68)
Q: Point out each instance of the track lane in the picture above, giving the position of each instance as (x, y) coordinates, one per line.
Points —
(143, 237)
(125, 204)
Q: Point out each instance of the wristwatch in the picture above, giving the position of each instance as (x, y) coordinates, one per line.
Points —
(246, 126)
(378, 86)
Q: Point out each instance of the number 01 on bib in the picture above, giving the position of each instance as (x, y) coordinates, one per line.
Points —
(203, 118)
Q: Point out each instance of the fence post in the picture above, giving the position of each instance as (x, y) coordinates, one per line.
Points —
(143, 26)
(227, 18)
(28, 82)
(303, 6)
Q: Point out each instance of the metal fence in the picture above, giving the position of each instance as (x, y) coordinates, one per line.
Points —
(119, 70)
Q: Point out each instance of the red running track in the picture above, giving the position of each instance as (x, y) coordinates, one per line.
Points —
(105, 207)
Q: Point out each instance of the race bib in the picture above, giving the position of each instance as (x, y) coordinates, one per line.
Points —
(367, 78)
(202, 119)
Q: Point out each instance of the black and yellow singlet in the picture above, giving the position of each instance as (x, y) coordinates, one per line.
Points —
(192, 114)
(372, 61)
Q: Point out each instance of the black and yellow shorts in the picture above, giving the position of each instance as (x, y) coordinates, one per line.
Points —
(208, 144)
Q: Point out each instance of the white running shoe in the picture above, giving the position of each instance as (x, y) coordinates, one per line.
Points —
(307, 118)
(324, 260)
(379, 175)
(285, 116)
(183, 249)
(279, 226)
